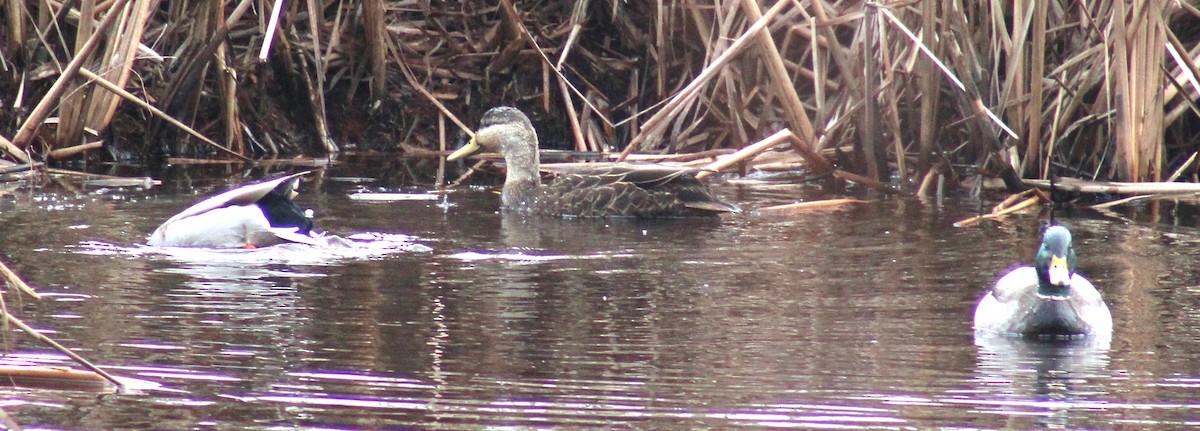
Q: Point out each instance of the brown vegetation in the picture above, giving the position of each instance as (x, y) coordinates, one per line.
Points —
(912, 89)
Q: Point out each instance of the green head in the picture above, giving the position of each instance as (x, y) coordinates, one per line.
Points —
(1055, 262)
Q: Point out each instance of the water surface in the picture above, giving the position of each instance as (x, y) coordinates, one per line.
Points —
(849, 318)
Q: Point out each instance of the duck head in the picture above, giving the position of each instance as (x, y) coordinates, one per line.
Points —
(505, 130)
(508, 130)
(1055, 262)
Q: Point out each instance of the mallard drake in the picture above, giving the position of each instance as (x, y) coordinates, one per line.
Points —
(253, 215)
(1048, 300)
(620, 190)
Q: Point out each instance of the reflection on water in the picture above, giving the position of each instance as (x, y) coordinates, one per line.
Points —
(1043, 382)
(850, 318)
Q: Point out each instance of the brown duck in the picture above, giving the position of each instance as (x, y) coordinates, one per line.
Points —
(620, 190)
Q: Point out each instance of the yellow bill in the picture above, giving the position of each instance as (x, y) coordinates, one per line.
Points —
(466, 150)
(1059, 274)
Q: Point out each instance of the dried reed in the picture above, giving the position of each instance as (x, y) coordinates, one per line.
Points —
(1100, 90)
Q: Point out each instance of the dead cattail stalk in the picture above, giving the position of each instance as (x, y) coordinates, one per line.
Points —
(930, 84)
(652, 129)
(572, 117)
(747, 152)
(158, 113)
(71, 114)
(375, 31)
(14, 12)
(927, 181)
(68, 152)
(1129, 199)
(272, 30)
(801, 206)
(16, 282)
(25, 134)
(870, 137)
(1116, 187)
(12, 150)
(118, 58)
(1023, 205)
(184, 91)
(1037, 58)
(797, 117)
(412, 80)
(316, 92)
(230, 115)
(50, 342)
(866, 182)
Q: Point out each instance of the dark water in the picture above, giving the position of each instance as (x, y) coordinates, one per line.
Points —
(851, 318)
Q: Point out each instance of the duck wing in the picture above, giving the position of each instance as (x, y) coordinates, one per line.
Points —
(244, 195)
(633, 189)
(1016, 284)
(604, 196)
(644, 175)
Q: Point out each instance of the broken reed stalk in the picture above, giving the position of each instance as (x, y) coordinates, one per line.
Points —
(869, 143)
(978, 105)
(867, 182)
(16, 282)
(24, 135)
(227, 86)
(15, 19)
(572, 116)
(72, 104)
(1033, 131)
(799, 206)
(1002, 210)
(929, 88)
(272, 30)
(780, 79)
(1115, 187)
(800, 58)
(8, 422)
(653, 128)
(1139, 48)
(412, 80)
(12, 150)
(375, 27)
(1129, 199)
(158, 113)
(1034, 200)
(48, 341)
(316, 90)
(68, 152)
(747, 152)
(1013, 198)
(120, 52)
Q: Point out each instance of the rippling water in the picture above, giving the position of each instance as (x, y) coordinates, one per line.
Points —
(849, 318)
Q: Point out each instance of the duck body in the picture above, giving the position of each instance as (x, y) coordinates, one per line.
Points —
(613, 190)
(1048, 300)
(619, 191)
(254, 215)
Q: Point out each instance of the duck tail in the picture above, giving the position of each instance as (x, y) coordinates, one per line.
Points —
(714, 206)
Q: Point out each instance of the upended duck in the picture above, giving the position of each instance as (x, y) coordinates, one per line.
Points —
(609, 191)
(1048, 300)
(254, 215)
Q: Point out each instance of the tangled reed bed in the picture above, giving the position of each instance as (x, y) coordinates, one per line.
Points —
(894, 92)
